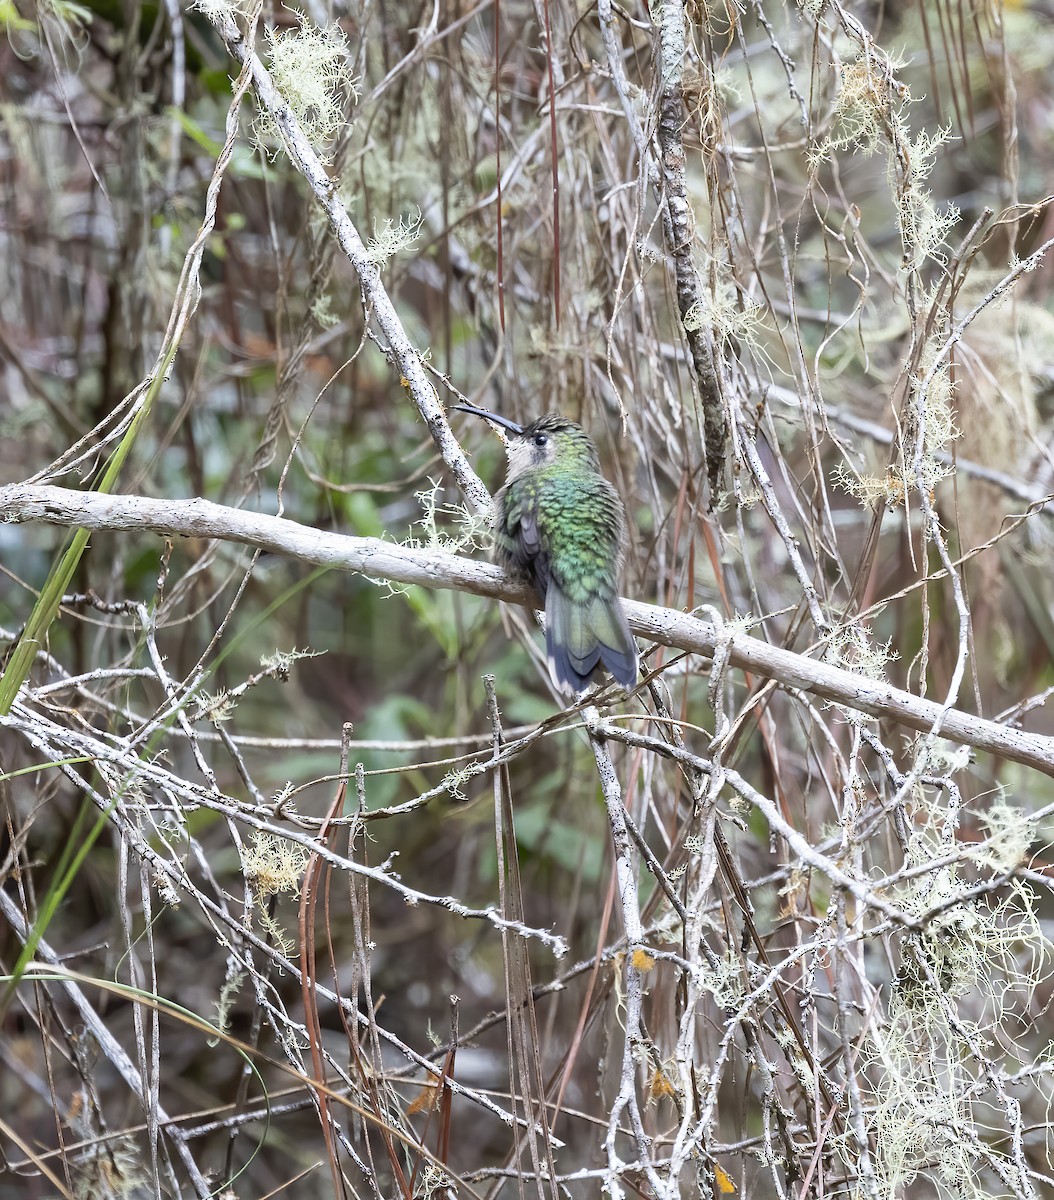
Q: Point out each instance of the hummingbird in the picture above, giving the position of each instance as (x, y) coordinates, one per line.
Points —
(560, 525)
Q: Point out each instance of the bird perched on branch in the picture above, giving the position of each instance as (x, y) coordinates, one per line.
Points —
(559, 524)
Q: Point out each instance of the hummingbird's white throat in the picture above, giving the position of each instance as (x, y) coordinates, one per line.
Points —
(527, 453)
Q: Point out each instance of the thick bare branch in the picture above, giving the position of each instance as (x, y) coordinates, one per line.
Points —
(378, 559)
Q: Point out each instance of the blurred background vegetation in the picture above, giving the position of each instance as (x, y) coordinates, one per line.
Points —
(860, 178)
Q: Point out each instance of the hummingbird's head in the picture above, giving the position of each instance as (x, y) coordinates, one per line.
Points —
(546, 441)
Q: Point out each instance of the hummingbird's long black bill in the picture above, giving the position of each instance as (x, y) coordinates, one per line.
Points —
(504, 422)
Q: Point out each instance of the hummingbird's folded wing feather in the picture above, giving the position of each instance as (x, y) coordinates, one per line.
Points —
(521, 540)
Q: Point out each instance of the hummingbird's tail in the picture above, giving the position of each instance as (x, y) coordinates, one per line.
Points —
(581, 635)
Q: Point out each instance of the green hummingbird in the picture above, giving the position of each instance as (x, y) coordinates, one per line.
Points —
(560, 525)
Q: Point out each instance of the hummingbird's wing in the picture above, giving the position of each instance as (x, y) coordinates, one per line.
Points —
(519, 540)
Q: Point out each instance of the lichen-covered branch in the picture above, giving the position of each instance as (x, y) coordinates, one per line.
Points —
(378, 559)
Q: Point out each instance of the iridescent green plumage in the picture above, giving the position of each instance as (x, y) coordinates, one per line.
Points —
(559, 523)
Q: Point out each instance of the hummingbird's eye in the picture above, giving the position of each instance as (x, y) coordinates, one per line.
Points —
(540, 439)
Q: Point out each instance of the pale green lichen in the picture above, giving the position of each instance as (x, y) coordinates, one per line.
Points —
(393, 237)
(273, 864)
(310, 66)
